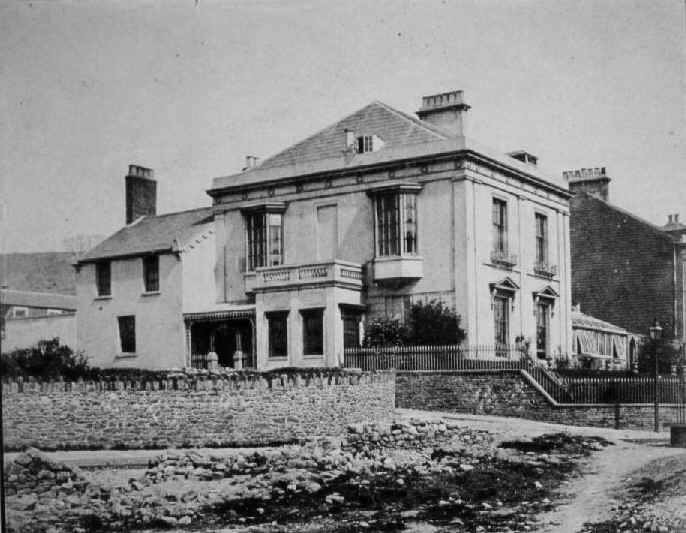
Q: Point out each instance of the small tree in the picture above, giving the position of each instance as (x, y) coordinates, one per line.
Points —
(669, 354)
(433, 323)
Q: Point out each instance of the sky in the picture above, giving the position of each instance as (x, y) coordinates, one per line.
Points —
(190, 88)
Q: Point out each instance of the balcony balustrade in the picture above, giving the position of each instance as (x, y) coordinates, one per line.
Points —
(503, 258)
(282, 276)
(545, 270)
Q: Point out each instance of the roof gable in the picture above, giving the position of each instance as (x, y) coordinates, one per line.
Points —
(392, 126)
(151, 234)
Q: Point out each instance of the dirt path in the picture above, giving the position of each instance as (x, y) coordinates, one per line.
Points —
(604, 476)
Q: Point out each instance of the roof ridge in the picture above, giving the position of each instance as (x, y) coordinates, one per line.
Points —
(637, 218)
(429, 127)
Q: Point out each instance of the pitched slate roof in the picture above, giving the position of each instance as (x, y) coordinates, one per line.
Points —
(44, 300)
(161, 233)
(392, 126)
(39, 272)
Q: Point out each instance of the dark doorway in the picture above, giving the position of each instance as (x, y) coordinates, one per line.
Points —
(221, 337)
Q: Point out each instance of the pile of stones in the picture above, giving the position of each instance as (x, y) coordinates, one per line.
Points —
(412, 434)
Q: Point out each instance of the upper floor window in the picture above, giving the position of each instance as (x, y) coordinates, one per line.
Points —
(367, 143)
(265, 238)
(103, 278)
(541, 238)
(396, 221)
(499, 216)
(151, 273)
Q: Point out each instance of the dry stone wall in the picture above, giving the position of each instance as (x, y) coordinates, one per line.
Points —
(192, 410)
(508, 393)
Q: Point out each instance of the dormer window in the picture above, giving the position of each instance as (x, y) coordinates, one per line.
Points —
(396, 220)
(367, 143)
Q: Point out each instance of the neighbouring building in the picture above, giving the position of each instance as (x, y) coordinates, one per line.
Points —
(27, 317)
(373, 213)
(625, 270)
(37, 299)
(136, 288)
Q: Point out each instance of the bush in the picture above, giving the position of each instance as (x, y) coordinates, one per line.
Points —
(434, 323)
(48, 359)
(427, 323)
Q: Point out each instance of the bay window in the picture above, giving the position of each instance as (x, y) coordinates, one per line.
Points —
(396, 221)
(264, 237)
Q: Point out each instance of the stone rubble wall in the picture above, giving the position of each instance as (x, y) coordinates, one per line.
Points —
(508, 393)
(192, 410)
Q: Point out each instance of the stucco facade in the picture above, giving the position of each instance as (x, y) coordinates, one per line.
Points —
(455, 183)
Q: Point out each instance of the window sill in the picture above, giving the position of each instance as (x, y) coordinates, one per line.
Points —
(315, 356)
(150, 293)
(126, 356)
(278, 358)
(502, 266)
(103, 297)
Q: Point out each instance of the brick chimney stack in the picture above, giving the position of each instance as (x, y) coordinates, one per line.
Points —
(141, 193)
(593, 181)
(448, 111)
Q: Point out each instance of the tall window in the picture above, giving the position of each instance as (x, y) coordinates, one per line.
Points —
(541, 238)
(103, 278)
(542, 329)
(265, 239)
(313, 331)
(151, 273)
(499, 216)
(278, 333)
(127, 333)
(501, 314)
(396, 223)
(351, 328)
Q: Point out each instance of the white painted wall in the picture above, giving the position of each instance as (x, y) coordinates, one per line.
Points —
(26, 332)
(159, 321)
(199, 266)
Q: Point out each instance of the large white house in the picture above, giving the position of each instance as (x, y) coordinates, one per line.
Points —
(371, 214)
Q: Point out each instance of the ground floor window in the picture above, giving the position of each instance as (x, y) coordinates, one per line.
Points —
(542, 329)
(501, 315)
(351, 331)
(313, 331)
(127, 333)
(277, 324)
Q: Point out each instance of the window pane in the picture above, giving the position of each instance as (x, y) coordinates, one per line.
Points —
(541, 330)
(541, 238)
(256, 240)
(313, 332)
(410, 239)
(499, 215)
(103, 278)
(501, 317)
(278, 334)
(275, 239)
(127, 333)
(151, 273)
(388, 224)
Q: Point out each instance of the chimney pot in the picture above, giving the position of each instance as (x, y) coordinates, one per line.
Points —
(445, 110)
(669, 219)
(593, 181)
(676, 218)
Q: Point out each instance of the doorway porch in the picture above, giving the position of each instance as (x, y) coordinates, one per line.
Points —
(228, 334)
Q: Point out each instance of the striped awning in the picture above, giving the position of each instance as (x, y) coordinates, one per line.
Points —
(231, 314)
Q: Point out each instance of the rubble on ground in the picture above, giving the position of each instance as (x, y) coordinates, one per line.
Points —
(382, 475)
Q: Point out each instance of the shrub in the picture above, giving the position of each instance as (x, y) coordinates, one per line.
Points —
(385, 332)
(427, 323)
(669, 354)
(48, 359)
